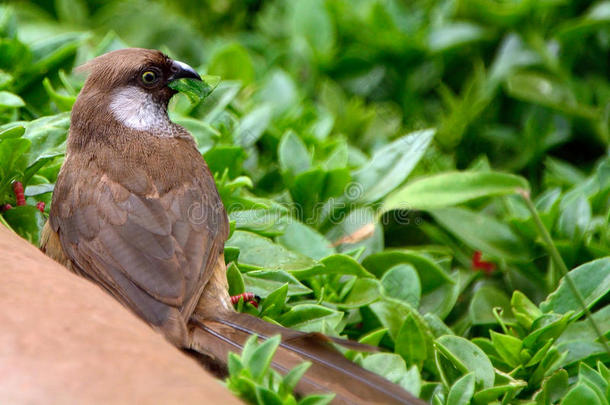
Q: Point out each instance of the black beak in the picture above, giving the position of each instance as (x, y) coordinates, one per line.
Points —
(180, 70)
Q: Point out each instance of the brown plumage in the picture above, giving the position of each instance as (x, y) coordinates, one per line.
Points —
(135, 209)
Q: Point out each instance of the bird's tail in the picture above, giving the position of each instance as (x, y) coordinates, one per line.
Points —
(330, 370)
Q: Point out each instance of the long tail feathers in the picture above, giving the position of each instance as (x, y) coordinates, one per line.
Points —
(330, 370)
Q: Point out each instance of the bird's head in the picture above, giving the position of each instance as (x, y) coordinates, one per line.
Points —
(132, 86)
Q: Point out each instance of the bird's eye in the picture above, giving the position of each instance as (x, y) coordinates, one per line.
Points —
(149, 77)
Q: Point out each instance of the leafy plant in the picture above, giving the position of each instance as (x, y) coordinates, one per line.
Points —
(252, 378)
(428, 177)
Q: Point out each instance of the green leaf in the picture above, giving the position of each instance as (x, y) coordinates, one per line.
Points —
(235, 280)
(291, 379)
(205, 135)
(574, 218)
(274, 303)
(411, 342)
(259, 359)
(388, 365)
(293, 156)
(354, 222)
(582, 329)
(232, 62)
(363, 292)
(311, 317)
(402, 283)
(392, 314)
(449, 36)
(453, 188)
(252, 126)
(467, 357)
(36, 166)
(12, 132)
(222, 157)
(318, 399)
(314, 186)
(63, 102)
(12, 161)
(412, 381)
(484, 301)
(591, 279)
(344, 264)
(430, 274)
(581, 394)
(461, 391)
(544, 90)
(508, 347)
(10, 100)
(265, 222)
(196, 90)
(594, 380)
(234, 364)
(576, 351)
(390, 166)
(260, 252)
(441, 300)
(72, 12)
(374, 338)
(553, 388)
(213, 106)
(312, 22)
(27, 221)
(484, 233)
(524, 310)
(265, 396)
(265, 282)
(48, 135)
(303, 239)
(38, 189)
(548, 326)
(507, 390)
(437, 326)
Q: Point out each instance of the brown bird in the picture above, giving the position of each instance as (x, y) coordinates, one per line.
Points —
(135, 209)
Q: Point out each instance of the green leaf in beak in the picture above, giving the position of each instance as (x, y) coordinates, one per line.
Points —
(196, 90)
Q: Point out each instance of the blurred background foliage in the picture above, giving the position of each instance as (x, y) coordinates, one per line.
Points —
(324, 109)
(509, 79)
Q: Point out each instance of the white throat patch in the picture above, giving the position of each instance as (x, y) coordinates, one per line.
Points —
(136, 109)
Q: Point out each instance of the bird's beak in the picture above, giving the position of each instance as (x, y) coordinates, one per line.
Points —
(181, 70)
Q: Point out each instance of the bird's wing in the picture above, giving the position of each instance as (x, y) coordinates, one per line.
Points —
(150, 251)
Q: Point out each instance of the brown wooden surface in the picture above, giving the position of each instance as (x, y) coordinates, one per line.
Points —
(65, 341)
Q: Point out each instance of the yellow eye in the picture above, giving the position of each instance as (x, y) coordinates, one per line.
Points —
(149, 77)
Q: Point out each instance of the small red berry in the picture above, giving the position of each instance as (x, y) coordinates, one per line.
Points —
(247, 297)
(478, 264)
(5, 207)
(40, 205)
(19, 195)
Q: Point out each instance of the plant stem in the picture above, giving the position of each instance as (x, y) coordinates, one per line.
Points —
(556, 257)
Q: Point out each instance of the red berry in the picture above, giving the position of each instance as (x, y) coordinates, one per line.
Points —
(40, 205)
(478, 264)
(247, 297)
(5, 207)
(18, 190)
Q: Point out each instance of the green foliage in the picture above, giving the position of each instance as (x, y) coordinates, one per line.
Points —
(252, 378)
(365, 150)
